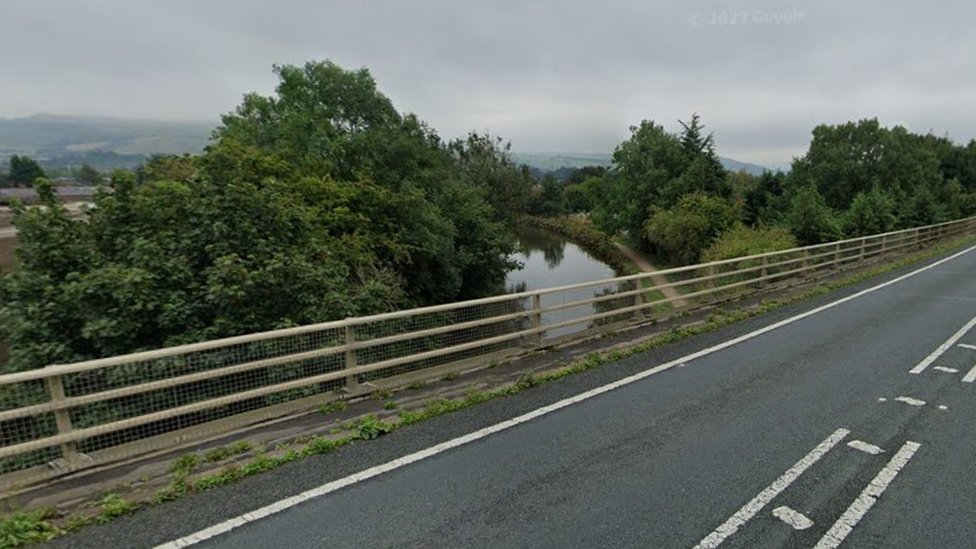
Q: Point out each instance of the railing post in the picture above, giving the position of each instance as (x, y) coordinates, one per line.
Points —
(710, 284)
(806, 260)
(537, 318)
(55, 389)
(864, 244)
(352, 381)
(638, 300)
(837, 256)
(884, 244)
(764, 272)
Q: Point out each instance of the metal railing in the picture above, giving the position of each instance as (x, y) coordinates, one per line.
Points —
(63, 418)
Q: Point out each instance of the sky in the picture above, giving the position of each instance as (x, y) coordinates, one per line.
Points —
(549, 75)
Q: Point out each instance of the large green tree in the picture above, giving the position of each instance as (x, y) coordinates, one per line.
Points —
(325, 121)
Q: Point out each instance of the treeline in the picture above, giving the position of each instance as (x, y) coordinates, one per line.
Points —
(668, 193)
(317, 203)
(23, 171)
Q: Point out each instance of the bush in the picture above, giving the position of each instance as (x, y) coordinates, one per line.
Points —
(810, 219)
(683, 232)
(741, 241)
(871, 213)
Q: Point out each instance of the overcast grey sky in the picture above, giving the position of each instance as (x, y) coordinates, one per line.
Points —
(551, 75)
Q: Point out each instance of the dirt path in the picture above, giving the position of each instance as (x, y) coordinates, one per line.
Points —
(658, 279)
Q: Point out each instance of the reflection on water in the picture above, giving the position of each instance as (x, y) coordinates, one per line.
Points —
(550, 260)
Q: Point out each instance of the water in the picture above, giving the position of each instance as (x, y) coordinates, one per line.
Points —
(550, 260)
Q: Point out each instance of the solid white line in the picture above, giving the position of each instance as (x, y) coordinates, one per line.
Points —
(967, 346)
(794, 518)
(865, 447)
(860, 506)
(276, 507)
(749, 510)
(911, 401)
(921, 366)
(945, 369)
(970, 376)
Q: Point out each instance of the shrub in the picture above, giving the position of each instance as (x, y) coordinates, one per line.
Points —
(683, 232)
(741, 241)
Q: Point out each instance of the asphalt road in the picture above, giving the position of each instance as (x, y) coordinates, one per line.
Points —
(813, 432)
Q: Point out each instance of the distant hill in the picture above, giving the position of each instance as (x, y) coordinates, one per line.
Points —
(65, 142)
(103, 142)
(552, 162)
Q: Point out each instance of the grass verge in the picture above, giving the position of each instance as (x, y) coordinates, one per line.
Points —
(20, 528)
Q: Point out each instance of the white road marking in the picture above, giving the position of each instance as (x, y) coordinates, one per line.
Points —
(943, 407)
(749, 510)
(230, 524)
(911, 401)
(869, 496)
(865, 447)
(967, 346)
(794, 518)
(882, 399)
(921, 366)
(947, 370)
(970, 377)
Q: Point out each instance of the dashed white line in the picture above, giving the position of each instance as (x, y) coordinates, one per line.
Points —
(911, 401)
(756, 504)
(794, 518)
(945, 369)
(869, 496)
(865, 447)
(968, 346)
(882, 399)
(970, 377)
(921, 366)
(943, 407)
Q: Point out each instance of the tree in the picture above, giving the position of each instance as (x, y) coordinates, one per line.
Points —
(485, 162)
(88, 175)
(810, 219)
(328, 122)
(655, 168)
(680, 234)
(24, 170)
(870, 213)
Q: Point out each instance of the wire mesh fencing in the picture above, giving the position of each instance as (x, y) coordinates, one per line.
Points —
(66, 417)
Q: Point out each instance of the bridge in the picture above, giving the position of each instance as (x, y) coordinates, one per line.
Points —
(784, 429)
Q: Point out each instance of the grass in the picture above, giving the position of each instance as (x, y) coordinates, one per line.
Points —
(332, 407)
(25, 527)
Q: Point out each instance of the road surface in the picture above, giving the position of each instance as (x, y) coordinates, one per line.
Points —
(844, 421)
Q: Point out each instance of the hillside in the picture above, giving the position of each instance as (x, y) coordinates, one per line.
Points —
(104, 142)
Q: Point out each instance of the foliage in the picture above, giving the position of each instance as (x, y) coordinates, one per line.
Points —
(683, 232)
(113, 506)
(810, 219)
(870, 213)
(548, 199)
(371, 427)
(741, 241)
(88, 175)
(485, 163)
(25, 527)
(24, 170)
(652, 171)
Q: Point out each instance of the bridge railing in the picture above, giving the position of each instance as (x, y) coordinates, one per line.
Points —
(63, 418)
